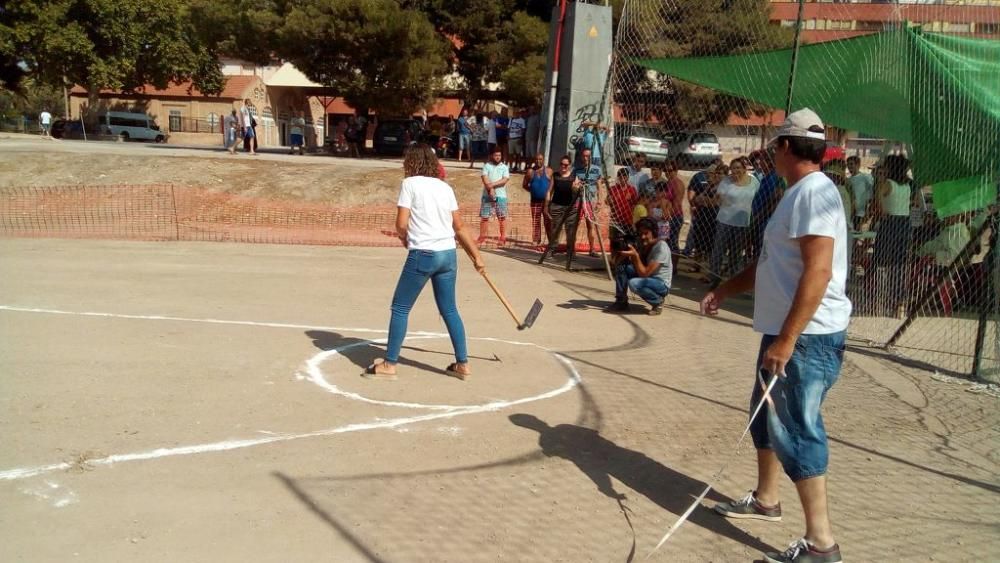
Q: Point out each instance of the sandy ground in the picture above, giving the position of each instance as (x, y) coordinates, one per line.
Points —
(183, 402)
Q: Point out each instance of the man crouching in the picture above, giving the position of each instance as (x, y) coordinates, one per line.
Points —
(647, 272)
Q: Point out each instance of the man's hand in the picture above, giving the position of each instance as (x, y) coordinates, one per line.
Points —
(630, 252)
(777, 355)
(711, 302)
(547, 212)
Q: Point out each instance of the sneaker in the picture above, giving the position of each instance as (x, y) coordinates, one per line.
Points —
(749, 508)
(655, 310)
(801, 551)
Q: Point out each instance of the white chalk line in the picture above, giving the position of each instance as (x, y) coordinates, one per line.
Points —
(227, 445)
(317, 376)
(207, 321)
(25, 472)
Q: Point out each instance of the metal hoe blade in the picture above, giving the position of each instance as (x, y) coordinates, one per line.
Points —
(533, 313)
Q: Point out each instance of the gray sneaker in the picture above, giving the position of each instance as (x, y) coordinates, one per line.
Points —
(801, 551)
(749, 508)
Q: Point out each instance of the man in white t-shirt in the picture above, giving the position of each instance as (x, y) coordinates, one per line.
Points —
(863, 187)
(802, 311)
(45, 121)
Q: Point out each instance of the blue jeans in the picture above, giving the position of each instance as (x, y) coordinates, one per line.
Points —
(651, 290)
(441, 268)
(794, 428)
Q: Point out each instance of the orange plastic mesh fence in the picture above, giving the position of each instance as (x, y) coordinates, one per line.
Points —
(167, 212)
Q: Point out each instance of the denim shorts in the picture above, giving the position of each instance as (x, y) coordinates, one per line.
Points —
(464, 141)
(794, 427)
(489, 207)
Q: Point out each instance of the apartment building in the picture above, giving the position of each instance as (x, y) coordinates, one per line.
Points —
(827, 20)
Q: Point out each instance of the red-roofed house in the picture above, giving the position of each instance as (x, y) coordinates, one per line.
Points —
(191, 116)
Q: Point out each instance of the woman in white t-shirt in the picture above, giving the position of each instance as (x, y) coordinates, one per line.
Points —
(734, 196)
(427, 223)
(894, 234)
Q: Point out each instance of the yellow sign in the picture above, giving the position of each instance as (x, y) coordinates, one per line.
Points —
(593, 31)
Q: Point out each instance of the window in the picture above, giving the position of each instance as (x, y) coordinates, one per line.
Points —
(958, 27)
(991, 28)
(869, 25)
(212, 119)
(175, 120)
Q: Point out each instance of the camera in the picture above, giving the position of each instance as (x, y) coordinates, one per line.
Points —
(624, 240)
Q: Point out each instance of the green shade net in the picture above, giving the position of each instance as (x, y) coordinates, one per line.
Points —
(939, 94)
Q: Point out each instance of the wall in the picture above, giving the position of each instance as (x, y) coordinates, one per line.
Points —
(583, 70)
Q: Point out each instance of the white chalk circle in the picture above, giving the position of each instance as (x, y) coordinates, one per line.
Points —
(316, 376)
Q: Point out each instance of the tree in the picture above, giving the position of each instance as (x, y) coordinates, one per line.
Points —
(523, 77)
(113, 44)
(245, 29)
(497, 41)
(30, 100)
(689, 28)
(373, 52)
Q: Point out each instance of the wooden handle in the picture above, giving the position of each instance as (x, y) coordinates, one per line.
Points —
(503, 299)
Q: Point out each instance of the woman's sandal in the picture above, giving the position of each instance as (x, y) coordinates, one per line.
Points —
(452, 370)
(378, 371)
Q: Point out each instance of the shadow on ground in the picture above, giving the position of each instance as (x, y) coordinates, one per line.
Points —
(600, 459)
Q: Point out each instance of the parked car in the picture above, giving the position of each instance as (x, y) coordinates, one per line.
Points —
(392, 136)
(66, 129)
(647, 138)
(696, 149)
(131, 126)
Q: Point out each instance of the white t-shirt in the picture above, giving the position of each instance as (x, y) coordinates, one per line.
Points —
(45, 117)
(516, 129)
(737, 202)
(431, 203)
(491, 131)
(245, 116)
(863, 186)
(810, 207)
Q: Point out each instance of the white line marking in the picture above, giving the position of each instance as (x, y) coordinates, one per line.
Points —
(207, 321)
(317, 376)
(451, 412)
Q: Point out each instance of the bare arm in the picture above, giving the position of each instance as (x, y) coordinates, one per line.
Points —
(465, 240)
(740, 283)
(402, 224)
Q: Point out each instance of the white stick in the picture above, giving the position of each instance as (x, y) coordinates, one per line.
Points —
(697, 501)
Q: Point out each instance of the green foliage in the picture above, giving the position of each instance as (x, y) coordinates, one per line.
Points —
(30, 101)
(375, 53)
(691, 28)
(244, 29)
(498, 41)
(116, 44)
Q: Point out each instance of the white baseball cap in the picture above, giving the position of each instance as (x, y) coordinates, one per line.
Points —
(802, 123)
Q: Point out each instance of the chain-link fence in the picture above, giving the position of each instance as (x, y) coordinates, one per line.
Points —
(697, 89)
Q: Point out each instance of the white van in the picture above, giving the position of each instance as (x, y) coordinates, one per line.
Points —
(132, 126)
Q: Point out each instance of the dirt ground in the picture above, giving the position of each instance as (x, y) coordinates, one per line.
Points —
(180, 401)
(201, 402)
(27, 160)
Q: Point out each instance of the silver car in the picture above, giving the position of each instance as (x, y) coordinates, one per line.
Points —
(646, 138)
(696, 149)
